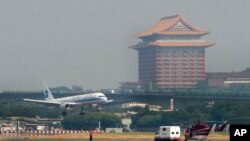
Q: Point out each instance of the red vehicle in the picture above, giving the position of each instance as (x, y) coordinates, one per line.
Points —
(198, 131)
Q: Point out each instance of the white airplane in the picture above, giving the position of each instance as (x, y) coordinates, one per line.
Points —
(92, 99)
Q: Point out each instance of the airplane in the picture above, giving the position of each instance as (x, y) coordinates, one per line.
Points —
(66, 103)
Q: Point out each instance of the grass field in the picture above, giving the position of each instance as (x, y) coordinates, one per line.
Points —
(106, 137)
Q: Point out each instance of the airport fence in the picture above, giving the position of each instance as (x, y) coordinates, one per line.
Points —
(45, 132)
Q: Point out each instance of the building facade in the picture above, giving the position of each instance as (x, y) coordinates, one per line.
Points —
(227, 79)
(172, 54)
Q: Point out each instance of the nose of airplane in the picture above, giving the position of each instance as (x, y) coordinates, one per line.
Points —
(102, 97)
(105, 98)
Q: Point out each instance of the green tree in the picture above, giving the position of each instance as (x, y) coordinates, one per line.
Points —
(90, 121)
(247, 69)
(150, 121)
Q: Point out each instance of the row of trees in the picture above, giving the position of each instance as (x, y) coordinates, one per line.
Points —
(22, 109)
(234, 112)
(91, 120)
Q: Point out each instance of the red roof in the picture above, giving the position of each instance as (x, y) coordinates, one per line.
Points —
(173, 25)
(182, 44)
(174, 44)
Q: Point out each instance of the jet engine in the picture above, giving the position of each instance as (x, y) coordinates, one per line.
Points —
(97, 106)
(65, 106)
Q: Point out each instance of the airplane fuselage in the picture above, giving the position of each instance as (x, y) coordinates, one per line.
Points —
(90, 98)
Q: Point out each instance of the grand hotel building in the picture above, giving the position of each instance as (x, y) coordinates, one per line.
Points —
(172, 54)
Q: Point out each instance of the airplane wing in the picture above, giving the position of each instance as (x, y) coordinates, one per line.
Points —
(109, 101)
(71, 104)
(43, 102)
(52, 103)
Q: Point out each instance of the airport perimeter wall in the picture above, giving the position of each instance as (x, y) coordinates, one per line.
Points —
(44, 132)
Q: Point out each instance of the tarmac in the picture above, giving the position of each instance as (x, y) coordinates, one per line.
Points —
(104, 137)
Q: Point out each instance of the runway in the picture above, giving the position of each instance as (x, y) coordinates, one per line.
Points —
(84, 140)
(108, 137)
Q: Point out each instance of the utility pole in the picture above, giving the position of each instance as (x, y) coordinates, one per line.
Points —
(99, 125)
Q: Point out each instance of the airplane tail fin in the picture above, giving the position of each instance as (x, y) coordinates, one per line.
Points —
(226, 129)
(47, 94)
(213, 128)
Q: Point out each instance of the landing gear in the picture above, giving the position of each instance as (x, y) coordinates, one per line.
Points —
(82, 113)
(98, 107)
(64, 113)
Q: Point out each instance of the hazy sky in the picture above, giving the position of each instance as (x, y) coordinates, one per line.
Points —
(85, 42)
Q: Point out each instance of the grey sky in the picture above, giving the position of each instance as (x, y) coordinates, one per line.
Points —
(85, 42)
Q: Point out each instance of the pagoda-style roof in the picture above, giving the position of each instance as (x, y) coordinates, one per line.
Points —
(173, 25)
(182, 44)
(157, 43)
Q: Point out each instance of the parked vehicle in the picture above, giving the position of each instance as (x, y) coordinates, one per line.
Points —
(168, 133)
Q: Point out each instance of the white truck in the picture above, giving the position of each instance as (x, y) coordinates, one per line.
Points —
(168, 133)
